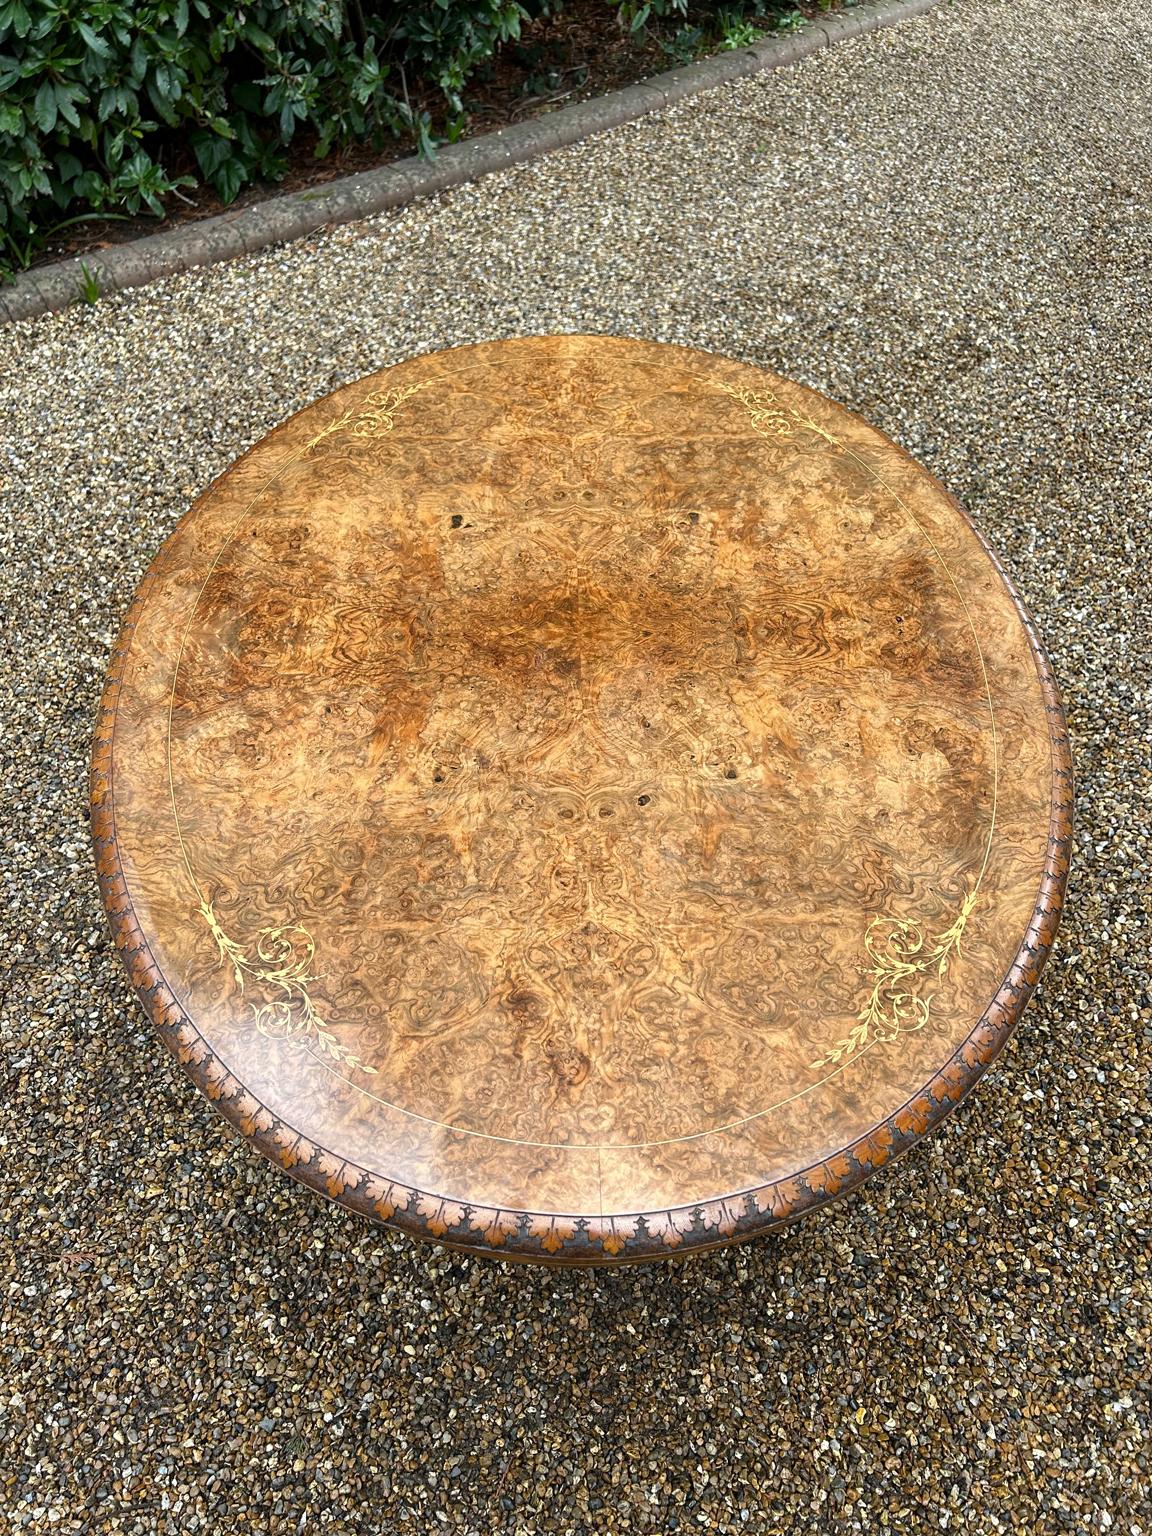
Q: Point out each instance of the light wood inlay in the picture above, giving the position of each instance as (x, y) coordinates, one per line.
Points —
(581, 799)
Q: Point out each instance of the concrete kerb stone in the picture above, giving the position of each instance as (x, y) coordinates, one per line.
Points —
(294, 215)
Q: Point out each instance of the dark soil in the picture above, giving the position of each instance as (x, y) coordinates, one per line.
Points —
(558, 60)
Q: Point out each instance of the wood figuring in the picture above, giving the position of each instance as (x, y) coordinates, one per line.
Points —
(580, 800)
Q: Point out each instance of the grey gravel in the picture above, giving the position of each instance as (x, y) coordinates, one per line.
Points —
(947, 227)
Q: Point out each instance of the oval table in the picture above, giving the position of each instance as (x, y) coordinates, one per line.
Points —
(580, 800)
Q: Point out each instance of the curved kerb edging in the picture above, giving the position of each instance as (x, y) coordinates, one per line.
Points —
(290, 217)
(555, 1238)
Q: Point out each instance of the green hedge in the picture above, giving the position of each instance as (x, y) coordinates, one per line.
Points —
(102, 101)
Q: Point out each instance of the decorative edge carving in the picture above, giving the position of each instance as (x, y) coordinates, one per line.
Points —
(553, 1238)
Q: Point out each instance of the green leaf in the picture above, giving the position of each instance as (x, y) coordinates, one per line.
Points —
(254, 34)
(425, 141)
(228, 180)
(210, 150)
(93, 41)
(65, 96)
(89, 187)
(68, 166)
(44, 111)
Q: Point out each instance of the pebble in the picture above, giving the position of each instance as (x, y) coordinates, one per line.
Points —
(945, 226)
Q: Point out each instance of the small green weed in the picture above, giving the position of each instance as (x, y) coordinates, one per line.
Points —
(89, 284)
(730, 27)
(738, 34)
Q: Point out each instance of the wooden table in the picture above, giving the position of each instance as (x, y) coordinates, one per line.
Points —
(580, 800)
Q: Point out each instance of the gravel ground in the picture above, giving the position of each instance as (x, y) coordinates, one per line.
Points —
(946, 227)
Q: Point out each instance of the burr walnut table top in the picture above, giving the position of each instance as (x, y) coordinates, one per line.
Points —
(580, 799)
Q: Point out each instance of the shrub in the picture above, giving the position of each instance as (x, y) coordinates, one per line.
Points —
(106, 106)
